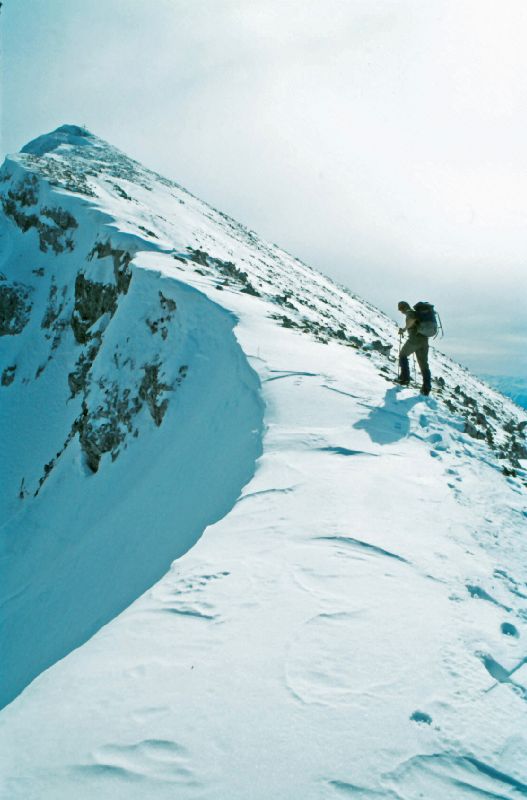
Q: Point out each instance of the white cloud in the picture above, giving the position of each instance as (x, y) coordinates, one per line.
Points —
(380, 141)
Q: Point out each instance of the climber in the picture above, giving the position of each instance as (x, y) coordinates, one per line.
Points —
(416, 343)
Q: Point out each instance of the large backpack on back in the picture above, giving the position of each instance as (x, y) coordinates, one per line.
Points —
(426, 319)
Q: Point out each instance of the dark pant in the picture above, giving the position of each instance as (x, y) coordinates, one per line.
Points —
(418, 344)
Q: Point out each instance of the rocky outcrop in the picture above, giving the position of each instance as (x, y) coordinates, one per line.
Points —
(103, 430)
(77, 378)
(160, 324)
(151, 389)
(15, 308)
(92, 301)
(121, 263)
(8, 375)
(103, 427)
(55, 234)
(224, 269)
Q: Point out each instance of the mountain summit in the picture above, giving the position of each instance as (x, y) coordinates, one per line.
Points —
(238, 562)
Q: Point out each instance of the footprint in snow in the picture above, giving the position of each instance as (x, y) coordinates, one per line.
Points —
(421, 717)
(155, 759)
(335, 658)
(508, 629)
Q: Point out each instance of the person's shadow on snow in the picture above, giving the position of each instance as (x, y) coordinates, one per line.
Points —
(388, 423)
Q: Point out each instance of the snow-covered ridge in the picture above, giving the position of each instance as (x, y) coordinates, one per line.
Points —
(98, 344)
(120, 388)
(158, 214)
(353, 624)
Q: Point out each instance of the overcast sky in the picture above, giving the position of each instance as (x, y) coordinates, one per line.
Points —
(382, 141)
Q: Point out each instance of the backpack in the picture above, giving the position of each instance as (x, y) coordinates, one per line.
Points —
(427, 323)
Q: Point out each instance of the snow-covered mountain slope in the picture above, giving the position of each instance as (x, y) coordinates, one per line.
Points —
(352, 622)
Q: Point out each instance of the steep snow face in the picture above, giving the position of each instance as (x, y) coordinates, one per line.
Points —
(123, 394)
(354, 626)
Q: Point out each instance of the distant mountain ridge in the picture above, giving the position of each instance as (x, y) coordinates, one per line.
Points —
(511, 386)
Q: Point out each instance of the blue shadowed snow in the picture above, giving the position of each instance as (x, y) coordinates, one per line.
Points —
(114, 534)
(389, 423)
(66, 134)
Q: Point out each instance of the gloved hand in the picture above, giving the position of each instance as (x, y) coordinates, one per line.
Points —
(402, 331)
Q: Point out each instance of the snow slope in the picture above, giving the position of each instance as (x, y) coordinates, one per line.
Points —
(351, 623)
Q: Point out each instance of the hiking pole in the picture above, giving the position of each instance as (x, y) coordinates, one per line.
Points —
(397, 366)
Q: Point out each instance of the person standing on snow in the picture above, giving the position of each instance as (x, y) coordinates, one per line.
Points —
(416, 343)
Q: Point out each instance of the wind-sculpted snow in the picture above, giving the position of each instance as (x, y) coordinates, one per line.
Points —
(124, 395)
(355, 624)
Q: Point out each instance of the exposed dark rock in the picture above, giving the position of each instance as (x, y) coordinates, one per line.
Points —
(472, 431)
(161, 324)
(167, 303)
(517, 450)
(8, 375)
(48, 468)
(150, 390)
(24, 195)
(23, 221)
(70, 176)
(225, 268)
(148, 232)
(92, 301)
(104, 429)
(199, 257)
(369, 329)
(121, 261)
(284, 300)
(55, 305)
(249, 289)
(121, 192)
(77, 380)
(355, 341)
(379, 347)
(62, 218)
(285, 322)
(468, 401)
(26, 191)
(15, 308)
(490, 412)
